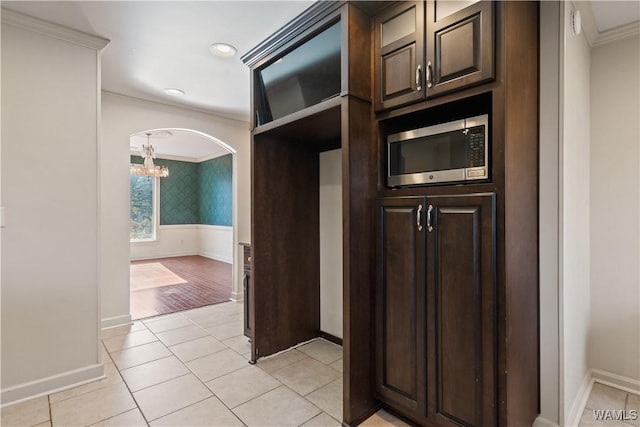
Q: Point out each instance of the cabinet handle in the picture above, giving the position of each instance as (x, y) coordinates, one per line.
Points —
(429, 227)
(419, 219)
(419, 78)
(245, 282)
(429, 71)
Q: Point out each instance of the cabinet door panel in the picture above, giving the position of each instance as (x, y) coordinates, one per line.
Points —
(460, 47)
(461, 283)
(399, 42)
(400, 357)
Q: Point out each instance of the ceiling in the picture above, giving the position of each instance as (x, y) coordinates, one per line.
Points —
(165, 44)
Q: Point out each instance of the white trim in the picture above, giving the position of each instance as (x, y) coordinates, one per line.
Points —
(593, 35)
(30, 23)
(53, 384)
(630, 385)
(211, 157)
(580, 402)
(237, 296)
(543, 422)
(195, 160)
(170, 255)
(177, 226)
(614, 34)
(228, 260)
(114, 322)
(216, 227)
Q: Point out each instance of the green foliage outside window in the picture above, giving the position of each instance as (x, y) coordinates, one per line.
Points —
(141, 224)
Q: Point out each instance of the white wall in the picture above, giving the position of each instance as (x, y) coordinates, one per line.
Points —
(615, 208)
(50, 188)
(331, 242)
(211, 241)
(575, 225)
(121, 117)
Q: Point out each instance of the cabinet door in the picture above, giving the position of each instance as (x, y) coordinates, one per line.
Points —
(400, 305)
(461, 305)
(399, 55)
(460, 45)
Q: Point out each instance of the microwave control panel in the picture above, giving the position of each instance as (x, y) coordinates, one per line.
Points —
(476, 146)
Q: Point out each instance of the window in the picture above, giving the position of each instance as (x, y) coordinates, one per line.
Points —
(143, 209)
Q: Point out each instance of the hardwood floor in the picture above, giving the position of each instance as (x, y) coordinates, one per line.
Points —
(204, 281)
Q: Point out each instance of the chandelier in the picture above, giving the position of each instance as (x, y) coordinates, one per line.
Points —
(147, 152)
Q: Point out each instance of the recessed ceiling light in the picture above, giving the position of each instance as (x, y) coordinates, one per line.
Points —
(223, 49)
(173, 92)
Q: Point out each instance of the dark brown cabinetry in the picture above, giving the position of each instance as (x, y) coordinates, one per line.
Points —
(246, 285)
(286, 142)
(435, 308)
(401, 305)
(399, 40)
(424, 49)
(456, 306)
(459, 45)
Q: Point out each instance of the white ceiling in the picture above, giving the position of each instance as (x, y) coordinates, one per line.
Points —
(160, 44)
(613, 14)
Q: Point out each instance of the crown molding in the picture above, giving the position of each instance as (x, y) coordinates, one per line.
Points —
(30, 23)
(618, 33)
(590, 29)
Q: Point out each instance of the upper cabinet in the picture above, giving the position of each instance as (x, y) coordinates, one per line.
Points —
(302, 77)
(417, 57)
(399, 56)
(308, 66)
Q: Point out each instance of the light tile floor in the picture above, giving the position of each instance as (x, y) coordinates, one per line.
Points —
(191, 369)
(606, 403)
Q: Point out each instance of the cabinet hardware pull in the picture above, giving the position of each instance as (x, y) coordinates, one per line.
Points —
(419, 219)
(429, 227)
(419, 78)
(429, 83)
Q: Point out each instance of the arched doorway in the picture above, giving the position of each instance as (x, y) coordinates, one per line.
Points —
(182, 233)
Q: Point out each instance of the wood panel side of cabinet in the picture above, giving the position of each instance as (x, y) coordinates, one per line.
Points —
(358, 183)
(285, 244)
(521, 214)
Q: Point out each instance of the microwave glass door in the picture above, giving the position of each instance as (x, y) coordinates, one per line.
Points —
(444, 151)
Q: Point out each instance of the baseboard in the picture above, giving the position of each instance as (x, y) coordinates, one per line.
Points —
(580, 402)
(112, 322)
(237, 296)
(217, 257)
(49, 385)
(169, 255)
(329, 337)
(629, 385)
(543, 422)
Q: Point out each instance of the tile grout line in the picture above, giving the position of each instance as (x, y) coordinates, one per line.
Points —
(188, 368)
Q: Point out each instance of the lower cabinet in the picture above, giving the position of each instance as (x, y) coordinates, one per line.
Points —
(435, 309)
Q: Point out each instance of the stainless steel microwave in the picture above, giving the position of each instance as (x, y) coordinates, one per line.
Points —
(447, 152)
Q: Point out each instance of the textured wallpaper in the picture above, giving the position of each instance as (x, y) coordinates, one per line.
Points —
(196, 193)
(216, 202)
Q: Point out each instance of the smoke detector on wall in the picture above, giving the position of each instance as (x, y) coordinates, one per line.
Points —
(575, 21)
